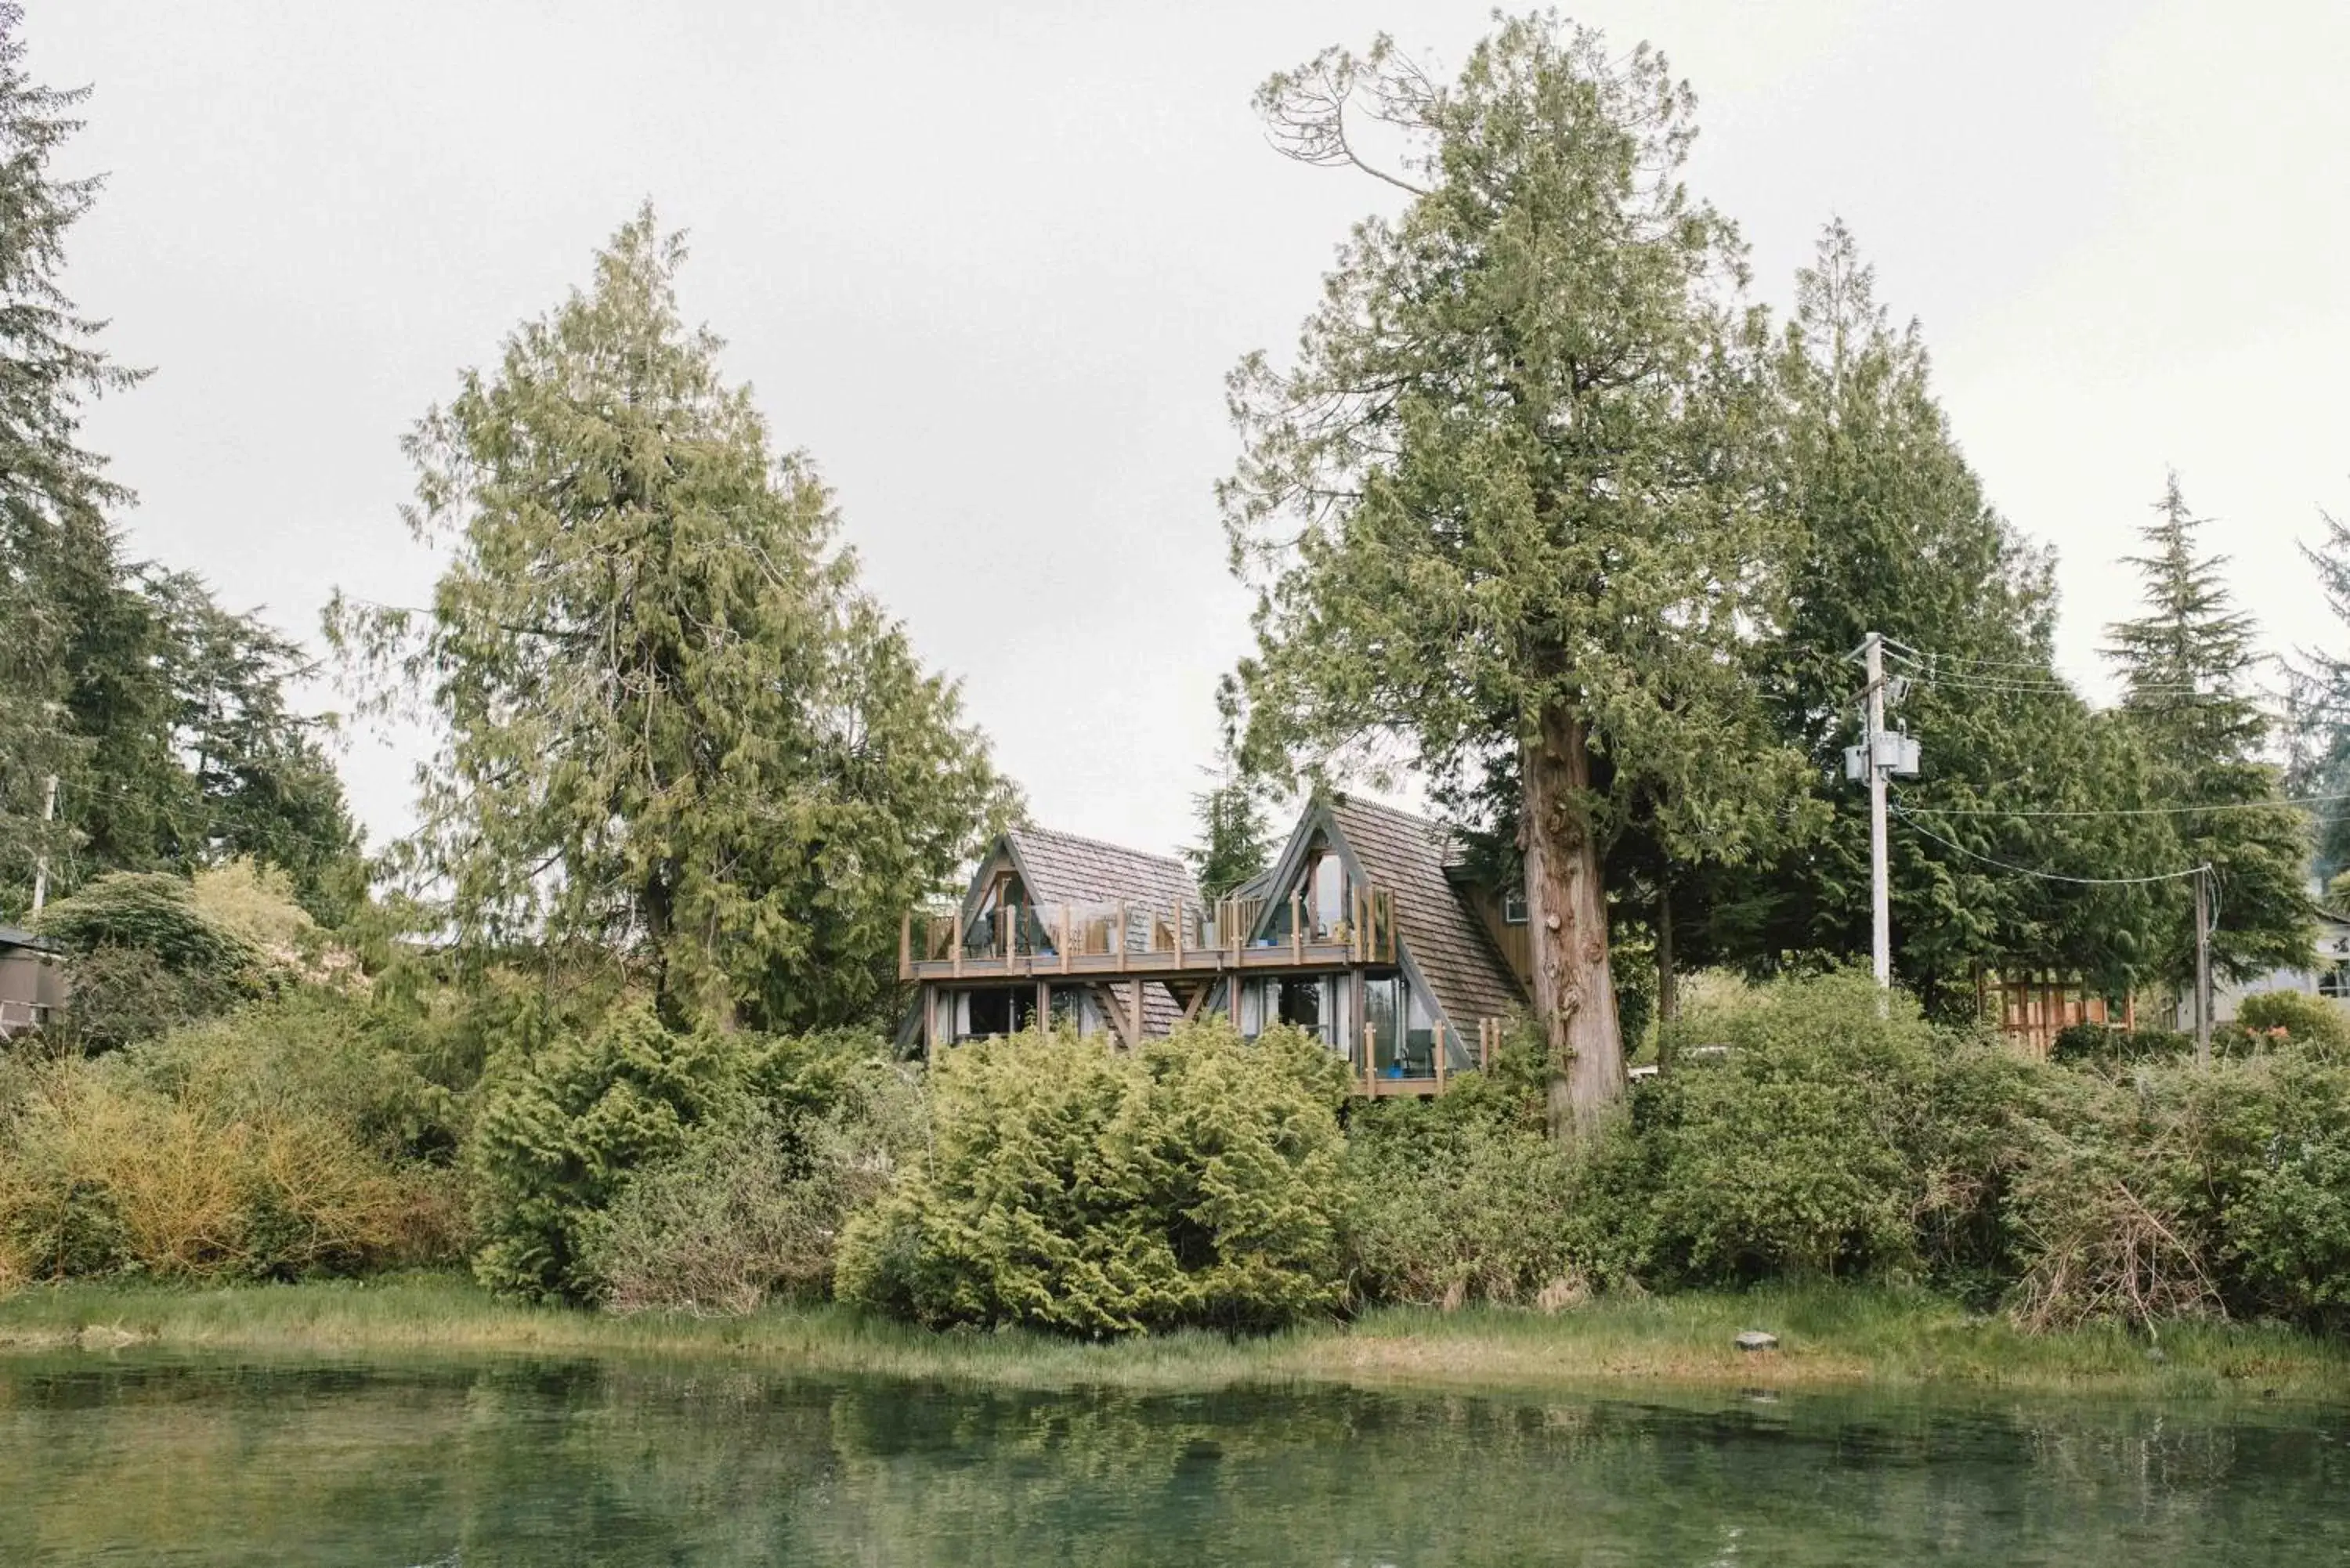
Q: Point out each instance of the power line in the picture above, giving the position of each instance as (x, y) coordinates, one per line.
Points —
(2047, 875)
(2138, 810)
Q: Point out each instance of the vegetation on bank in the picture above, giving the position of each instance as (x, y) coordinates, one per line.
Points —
(1829, 1335)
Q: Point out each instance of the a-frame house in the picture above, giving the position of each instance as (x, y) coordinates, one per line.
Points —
(1369, 931)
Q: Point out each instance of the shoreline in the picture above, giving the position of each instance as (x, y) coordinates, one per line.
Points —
(1831, 1337)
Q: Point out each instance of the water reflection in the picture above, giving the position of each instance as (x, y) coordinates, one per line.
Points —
(529, 1463)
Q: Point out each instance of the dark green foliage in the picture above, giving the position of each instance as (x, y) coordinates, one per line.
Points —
(1894, 533)
(57, 555)
(563, 1129)
(2087, 1043)
(119, 995)
(143, 959)
(1196, 1181)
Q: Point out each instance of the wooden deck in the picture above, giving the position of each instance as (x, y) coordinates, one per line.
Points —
(1185, 942)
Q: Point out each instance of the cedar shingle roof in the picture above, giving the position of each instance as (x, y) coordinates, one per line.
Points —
(1445, 939)
(1064, 868)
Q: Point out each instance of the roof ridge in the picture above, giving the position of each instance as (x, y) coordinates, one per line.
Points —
(1376, 804)
(1175, 860)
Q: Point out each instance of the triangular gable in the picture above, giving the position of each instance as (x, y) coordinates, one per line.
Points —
(1440, 945)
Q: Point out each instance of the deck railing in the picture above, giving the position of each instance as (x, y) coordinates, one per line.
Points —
(1183, 934)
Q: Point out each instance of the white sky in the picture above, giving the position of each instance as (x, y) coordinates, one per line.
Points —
(989, 264)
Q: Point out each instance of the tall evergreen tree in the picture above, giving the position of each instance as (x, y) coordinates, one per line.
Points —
(58, 557)
(2186, 667)
(1236, 839)
(673, 723)
(1891, 533)
(1497, 509)
(2319, 684)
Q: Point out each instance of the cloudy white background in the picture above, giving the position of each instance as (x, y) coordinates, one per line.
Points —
(989, 264)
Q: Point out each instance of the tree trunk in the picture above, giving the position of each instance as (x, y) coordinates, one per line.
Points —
(1574, 996)
(1669, 990)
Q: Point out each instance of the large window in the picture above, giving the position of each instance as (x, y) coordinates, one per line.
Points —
(1304, 1002)
(998, 1010)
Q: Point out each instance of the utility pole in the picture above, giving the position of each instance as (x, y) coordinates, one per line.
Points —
(1881, 754)
(41, 865)
(1880, 880)
(2204, 966)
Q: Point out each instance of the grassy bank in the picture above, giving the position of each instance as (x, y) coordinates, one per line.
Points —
(1829, 1336)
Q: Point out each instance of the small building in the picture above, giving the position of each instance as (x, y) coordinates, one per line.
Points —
(32, 979)
(1369, 930)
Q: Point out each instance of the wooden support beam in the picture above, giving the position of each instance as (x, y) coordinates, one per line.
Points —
(930, 1022)
(1105, 998)
(1134, 989)
(906, 947)
(954, 946)
(1370, 1065)
(1198, 995)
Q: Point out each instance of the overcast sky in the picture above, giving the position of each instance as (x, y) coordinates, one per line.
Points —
(989, 264)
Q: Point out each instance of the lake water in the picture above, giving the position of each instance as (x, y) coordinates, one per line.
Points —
(146, 1460)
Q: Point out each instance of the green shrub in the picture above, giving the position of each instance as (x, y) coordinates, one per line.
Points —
(2314, 1023)
(312, 1052)
(752, 1209)
(116, 996)
(154, 913)
(1197, 1180)
(1464, 1197)
(1822, 1140)
(105, 1174)
(563, 1129)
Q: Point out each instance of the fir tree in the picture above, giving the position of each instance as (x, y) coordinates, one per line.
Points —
(1891, 531)
(674, 726)
(57, 555)
(1236, 839)
(2186, 667)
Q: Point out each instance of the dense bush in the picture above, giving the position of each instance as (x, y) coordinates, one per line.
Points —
(1197, 1180)
(2314, 1023)
(564, 1127)
(152, 912)
(1464, 1197)
(1824, 1139)
(116, 996)
(2083, 1044)
(752, 1209)
(105, 1173)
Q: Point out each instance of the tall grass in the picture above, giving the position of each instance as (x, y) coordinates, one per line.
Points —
(1829, 1335)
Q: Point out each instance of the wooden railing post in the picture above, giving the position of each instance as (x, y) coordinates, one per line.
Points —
(1121, 936)
(954, 944)
(1296, 930)
(1175, 927)
(1436, 1048)
(1003, 930)
(1065, 939)
(1370, 1066)
(906, 947)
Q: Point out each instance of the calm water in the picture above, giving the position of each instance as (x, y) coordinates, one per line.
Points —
(568, 1463)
